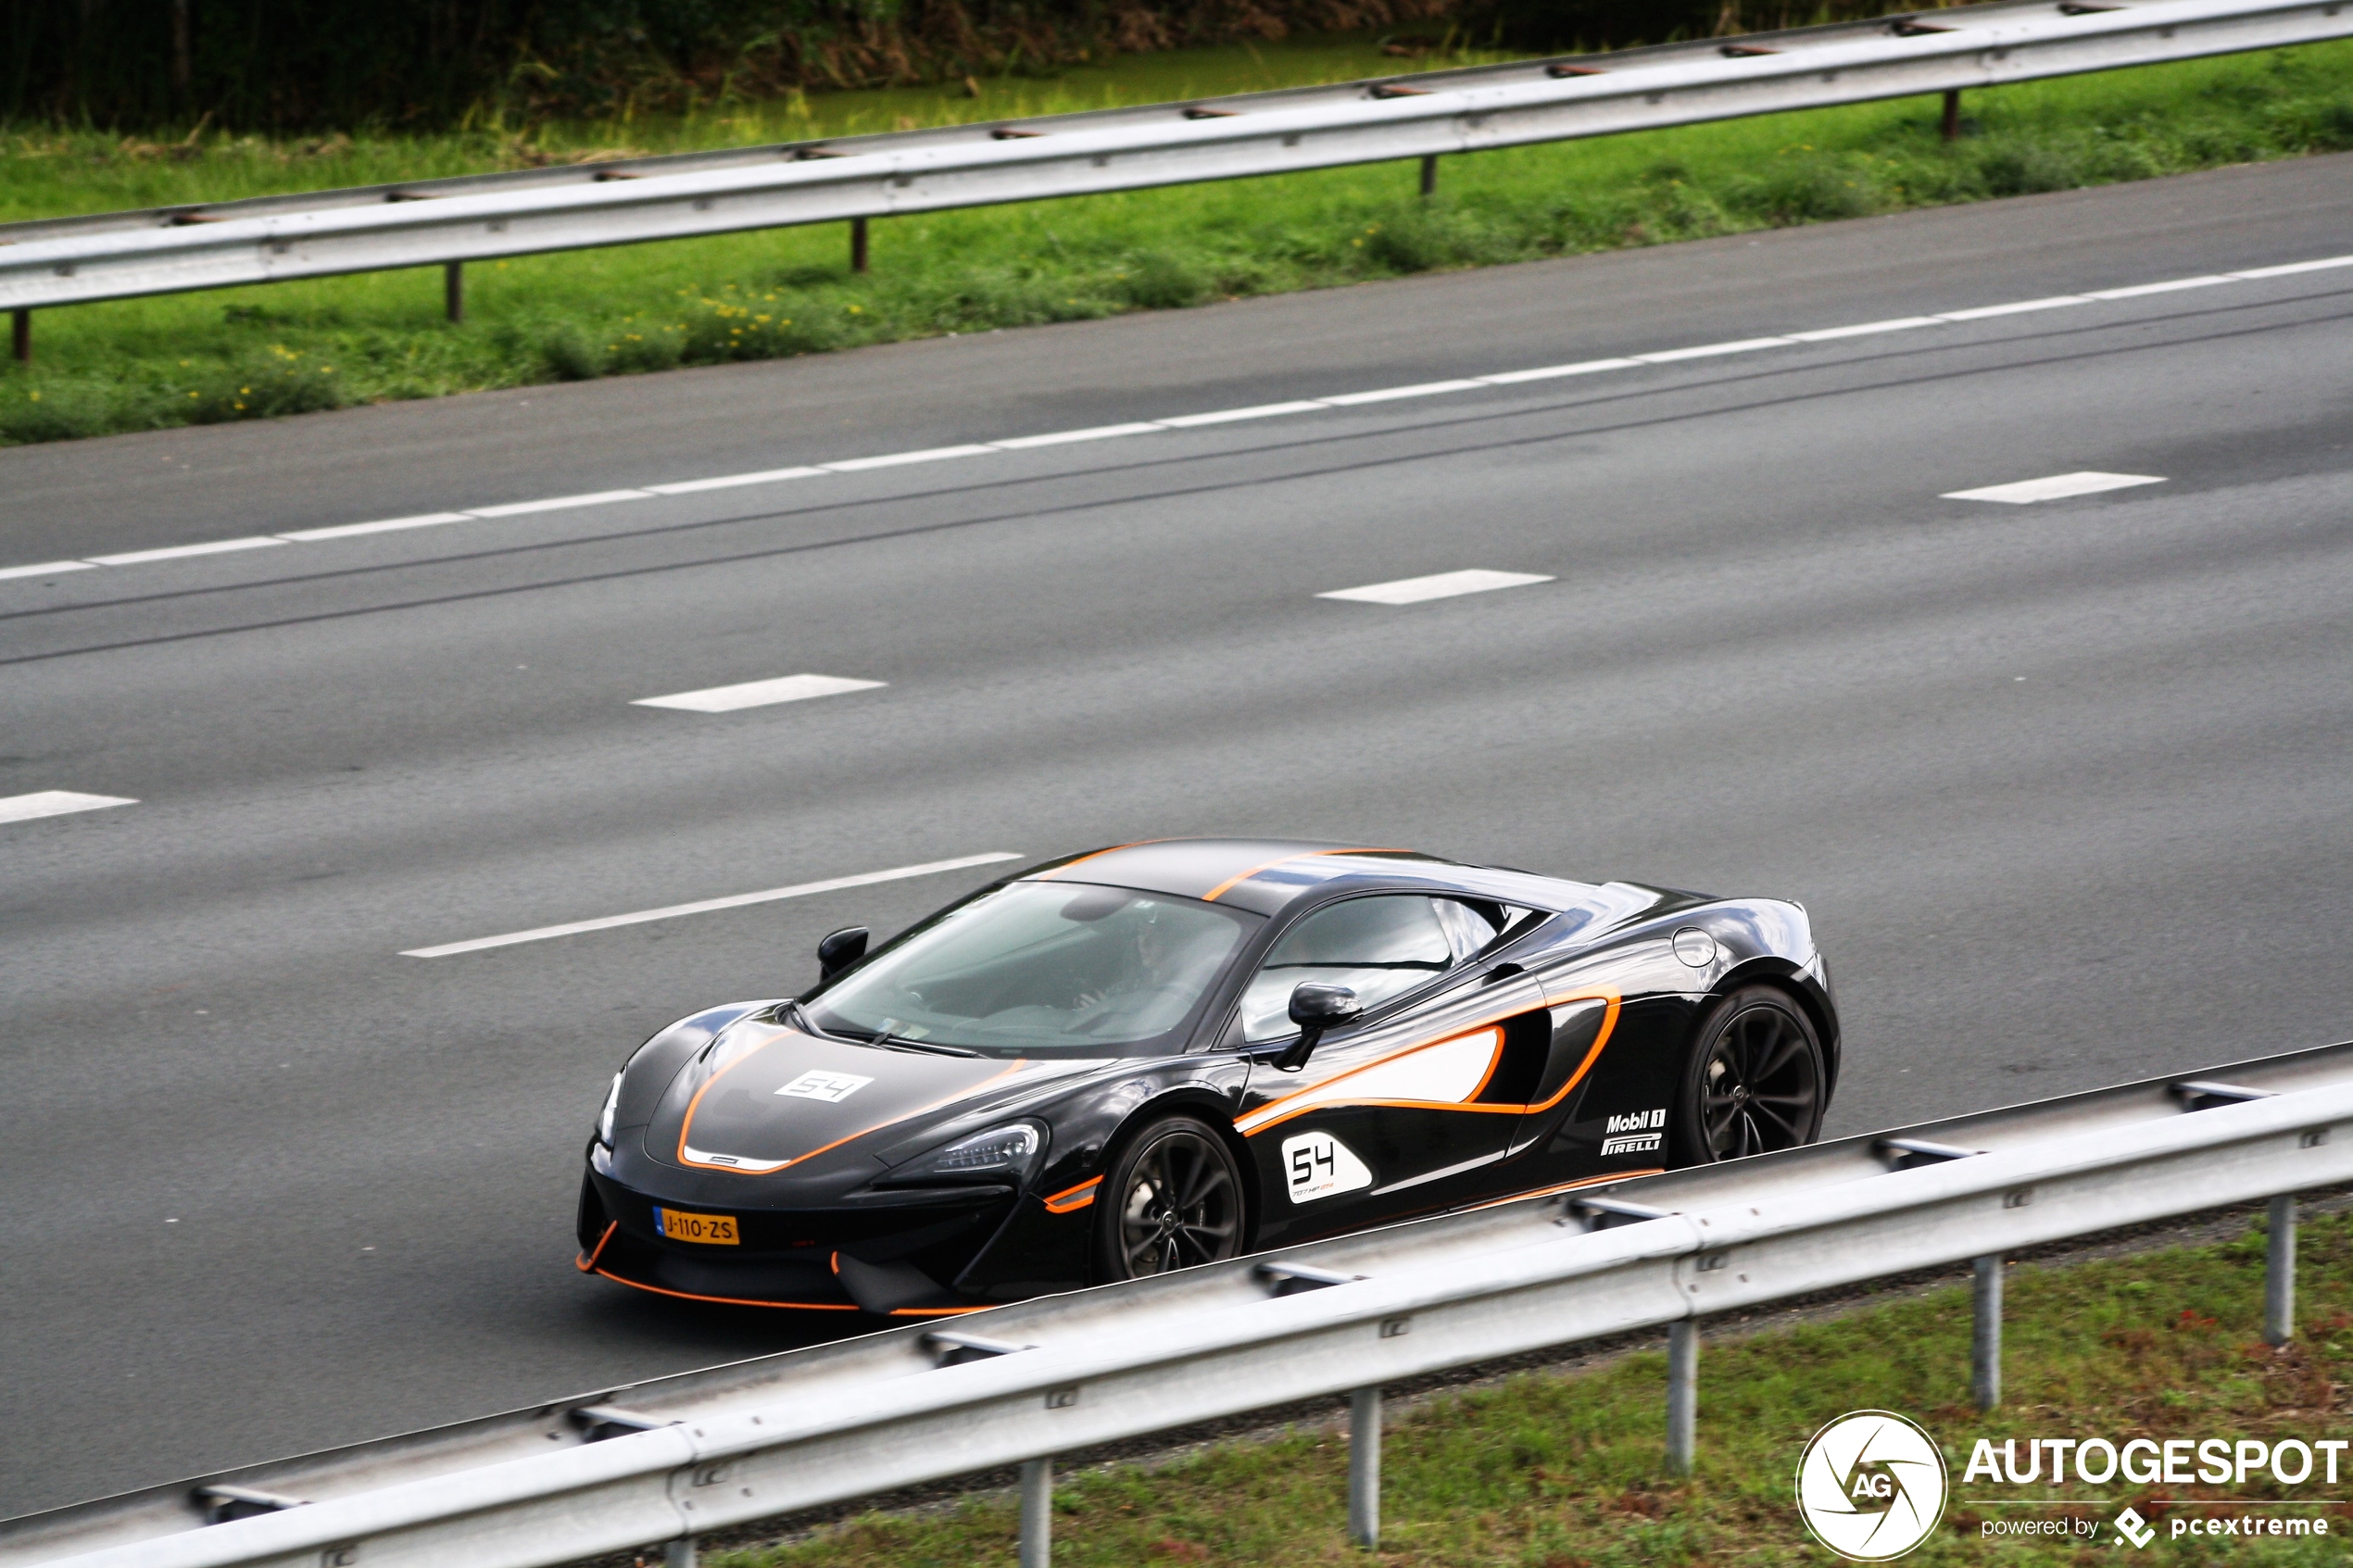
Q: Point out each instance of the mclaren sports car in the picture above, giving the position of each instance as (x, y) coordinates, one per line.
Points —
(1164, 1054)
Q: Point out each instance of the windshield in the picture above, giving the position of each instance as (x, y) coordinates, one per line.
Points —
(1037, 968)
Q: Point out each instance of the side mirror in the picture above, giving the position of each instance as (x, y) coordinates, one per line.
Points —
(839, 950)
(1316, 1009)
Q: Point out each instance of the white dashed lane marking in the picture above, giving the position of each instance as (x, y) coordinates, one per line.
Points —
(1442, 585)
(1190, 422)
(54, 803)
(758, 693)
(2058, 487)
(45, 569)
(733, 901)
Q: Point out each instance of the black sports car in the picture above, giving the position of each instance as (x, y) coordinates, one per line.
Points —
(1166, 1053)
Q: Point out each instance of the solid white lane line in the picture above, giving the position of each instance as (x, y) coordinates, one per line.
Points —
(2016, 307)
(2289, 270)
(729, 480)
(2137, 290)
(176, 552)
(1546, 372)
(46, 568)
(559, 503)
(893, 460)
(1864, 329)
(758, 693)
(1227, 416)
(1223, 416)
(1709, 350)
(1442, 585)
(389, 525)
(1388, 394)
(2058, 487)
(735, 901)
(55, 803)
(1062, 437)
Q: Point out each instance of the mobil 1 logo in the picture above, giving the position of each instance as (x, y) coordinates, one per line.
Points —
(1637, 1132)
(1318, 1165)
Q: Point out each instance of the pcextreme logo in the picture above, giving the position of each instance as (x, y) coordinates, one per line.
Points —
(1871, 1486)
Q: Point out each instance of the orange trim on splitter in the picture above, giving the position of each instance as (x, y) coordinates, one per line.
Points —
(587, 1262)
(734, 1301)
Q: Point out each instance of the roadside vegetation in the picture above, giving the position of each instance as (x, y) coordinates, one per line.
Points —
(1567, 1470)
(287, 348)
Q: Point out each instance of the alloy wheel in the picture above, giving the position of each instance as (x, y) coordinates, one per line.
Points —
(1182, 1206)
(1761, 1088)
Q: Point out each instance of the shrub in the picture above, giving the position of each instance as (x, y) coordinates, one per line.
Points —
(55, 411)
(569, 355)
(1157, 281)
(278, 380)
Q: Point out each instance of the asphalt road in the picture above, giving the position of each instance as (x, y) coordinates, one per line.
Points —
(2063, 783)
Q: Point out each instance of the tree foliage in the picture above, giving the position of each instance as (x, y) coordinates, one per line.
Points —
(311, 65)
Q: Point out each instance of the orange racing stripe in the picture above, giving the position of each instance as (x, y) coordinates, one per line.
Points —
(687, 1123)
(1260, 1120)
(1228, 885)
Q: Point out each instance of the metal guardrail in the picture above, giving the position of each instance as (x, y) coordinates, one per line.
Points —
(668, 1460)
(448, 222)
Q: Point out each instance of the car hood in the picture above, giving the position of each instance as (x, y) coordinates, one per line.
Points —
(763, 1097)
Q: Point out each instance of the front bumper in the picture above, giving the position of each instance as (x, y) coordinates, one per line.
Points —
(914, 1255)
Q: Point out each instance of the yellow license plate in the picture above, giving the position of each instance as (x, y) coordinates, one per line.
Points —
(712, 1230)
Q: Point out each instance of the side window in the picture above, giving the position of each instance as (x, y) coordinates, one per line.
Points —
(1379, 947)
(1473, 926)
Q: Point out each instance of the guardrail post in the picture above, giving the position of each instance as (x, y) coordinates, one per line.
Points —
(2279, 1272)
(1364, 1467)
(22, 336)
(453, 290)
(858, 244)
(1036, 1514)
(1682, 1394)
(679, 1553)
(1429, 176)
(1952, 114)
(1985, 1337)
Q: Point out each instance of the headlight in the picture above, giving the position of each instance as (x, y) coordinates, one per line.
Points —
(612, 1104)
(1002, 1153)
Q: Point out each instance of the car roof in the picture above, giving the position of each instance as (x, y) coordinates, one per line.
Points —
(1267, 876)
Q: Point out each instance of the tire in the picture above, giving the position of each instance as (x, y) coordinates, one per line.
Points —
(1171, 1201)
(1753, 1082)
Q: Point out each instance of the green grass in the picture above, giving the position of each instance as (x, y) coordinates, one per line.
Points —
(249, 353)
(1565, 1470)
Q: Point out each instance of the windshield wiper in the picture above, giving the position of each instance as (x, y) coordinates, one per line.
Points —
(890, 1042)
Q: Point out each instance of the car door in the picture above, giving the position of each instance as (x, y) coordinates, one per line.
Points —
(1391, 1117)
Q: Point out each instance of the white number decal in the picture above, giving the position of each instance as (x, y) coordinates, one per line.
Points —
(830, 1087)
(1318, 1165)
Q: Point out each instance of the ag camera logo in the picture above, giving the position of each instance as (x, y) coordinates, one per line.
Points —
(1871, 1485)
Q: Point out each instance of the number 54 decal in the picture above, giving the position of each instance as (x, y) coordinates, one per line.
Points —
(1318, 1165)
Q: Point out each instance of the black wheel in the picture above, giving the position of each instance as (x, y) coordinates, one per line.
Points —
(1753, 1083)
(1173, 1198)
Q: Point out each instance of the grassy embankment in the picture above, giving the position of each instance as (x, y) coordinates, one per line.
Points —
(249, 353)
(1554, 1471)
